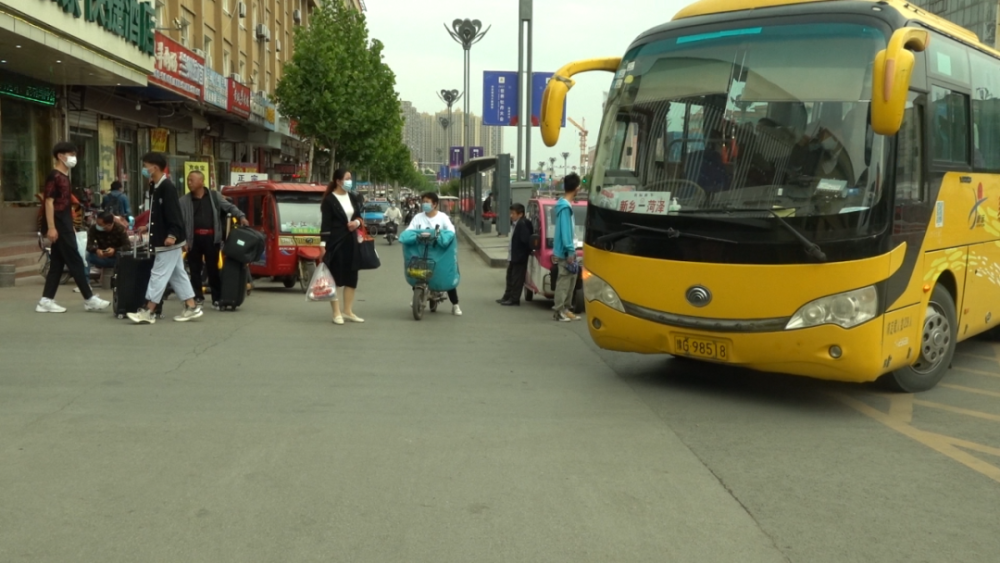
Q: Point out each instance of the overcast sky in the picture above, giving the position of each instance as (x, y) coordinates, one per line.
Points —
(426, 59)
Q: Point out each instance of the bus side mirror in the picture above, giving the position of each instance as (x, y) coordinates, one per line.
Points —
(891, 78)
(554, 96)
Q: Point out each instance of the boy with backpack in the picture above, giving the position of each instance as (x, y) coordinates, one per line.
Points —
(116, 202)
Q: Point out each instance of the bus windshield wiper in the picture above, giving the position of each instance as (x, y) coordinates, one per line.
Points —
(671, 233)
(811, 248)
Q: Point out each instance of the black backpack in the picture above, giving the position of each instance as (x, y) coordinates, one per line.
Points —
(113, 203)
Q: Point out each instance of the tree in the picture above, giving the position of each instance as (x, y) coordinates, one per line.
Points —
(338, 88)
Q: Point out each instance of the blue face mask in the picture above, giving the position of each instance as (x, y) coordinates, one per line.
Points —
(145, 173)
(349, 185)
(426, 207)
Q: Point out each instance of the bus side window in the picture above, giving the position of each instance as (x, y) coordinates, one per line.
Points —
(909, 153)
(950, 112)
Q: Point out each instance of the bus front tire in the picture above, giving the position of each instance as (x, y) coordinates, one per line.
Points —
(938, 338)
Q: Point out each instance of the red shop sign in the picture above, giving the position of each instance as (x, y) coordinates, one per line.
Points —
(177, 69)
(239, 99)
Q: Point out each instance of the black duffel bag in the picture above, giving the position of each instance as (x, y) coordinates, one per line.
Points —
(244, 245)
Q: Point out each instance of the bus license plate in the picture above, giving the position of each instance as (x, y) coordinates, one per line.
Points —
(698, 347)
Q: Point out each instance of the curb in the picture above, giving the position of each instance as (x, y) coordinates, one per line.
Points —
(482, 252)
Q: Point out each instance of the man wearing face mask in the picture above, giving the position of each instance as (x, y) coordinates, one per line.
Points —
(60, 232)
(167, 237)
(428, 220)
(105, 239)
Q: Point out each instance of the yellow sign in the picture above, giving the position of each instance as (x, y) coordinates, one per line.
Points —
(158, 140)
(106, 140)
(190, 167)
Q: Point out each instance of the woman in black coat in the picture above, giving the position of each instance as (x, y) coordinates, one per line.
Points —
(341, 210)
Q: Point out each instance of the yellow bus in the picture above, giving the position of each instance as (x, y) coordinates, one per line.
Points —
(796, 186)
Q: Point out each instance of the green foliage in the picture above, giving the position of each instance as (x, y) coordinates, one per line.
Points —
(451, 188)
(341, 92)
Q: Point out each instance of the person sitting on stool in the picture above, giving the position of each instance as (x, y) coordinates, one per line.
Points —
(105, 239)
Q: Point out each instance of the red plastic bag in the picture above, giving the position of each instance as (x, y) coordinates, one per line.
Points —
(322, 286)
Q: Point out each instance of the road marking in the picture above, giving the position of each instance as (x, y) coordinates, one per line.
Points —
(957, 410)
(942, 444)
(979, 372)
(970, 389)
(901, 407)
(976, 356)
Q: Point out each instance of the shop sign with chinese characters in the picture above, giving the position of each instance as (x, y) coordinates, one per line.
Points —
(216, 89)
(177, 69)
(239, 99)
(131, 20)
(237, 177)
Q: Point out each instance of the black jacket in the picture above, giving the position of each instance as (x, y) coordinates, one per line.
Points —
(334, 225)
(520, 241)
(165, 215)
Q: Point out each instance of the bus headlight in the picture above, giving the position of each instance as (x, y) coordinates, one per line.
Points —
(596, 289)
(847, 309)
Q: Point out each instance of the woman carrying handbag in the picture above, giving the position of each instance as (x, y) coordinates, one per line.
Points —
(341, 209)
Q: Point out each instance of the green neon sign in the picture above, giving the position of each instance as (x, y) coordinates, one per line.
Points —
(131, 20)
(15, 86)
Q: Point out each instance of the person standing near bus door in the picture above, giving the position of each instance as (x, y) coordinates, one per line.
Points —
(61, 233)
(564, 251)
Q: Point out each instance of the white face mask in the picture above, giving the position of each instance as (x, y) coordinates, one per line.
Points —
(70, 161)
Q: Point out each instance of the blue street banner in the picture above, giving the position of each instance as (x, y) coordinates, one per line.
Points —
(476, 152)
(442, 174)
(456, 157)
(537, 177)
(539, 80)
(500, 98)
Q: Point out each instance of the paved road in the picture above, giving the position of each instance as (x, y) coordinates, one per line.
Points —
(271, 435)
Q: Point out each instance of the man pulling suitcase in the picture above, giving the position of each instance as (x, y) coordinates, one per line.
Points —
(166, 236)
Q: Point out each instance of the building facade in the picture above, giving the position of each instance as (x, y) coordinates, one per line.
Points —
(428, 140)
(193, 79)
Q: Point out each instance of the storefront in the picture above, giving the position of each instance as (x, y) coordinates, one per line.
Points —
(27, 120)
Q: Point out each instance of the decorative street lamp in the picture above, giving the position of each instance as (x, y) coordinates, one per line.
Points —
(466, 33)
(565, 156)
(449, 97)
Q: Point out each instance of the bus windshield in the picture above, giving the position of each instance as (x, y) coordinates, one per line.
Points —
(768, 119)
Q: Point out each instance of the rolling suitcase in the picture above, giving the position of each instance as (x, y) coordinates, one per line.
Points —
(233, 279)
(130, 281)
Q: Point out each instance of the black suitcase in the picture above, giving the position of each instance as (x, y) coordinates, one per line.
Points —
(131, 279)
(244, 245)
(233, 279)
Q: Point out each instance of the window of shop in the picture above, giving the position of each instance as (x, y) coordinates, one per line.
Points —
(88, 156)
(226, 63)
(26, 150)
(207, 47)
(127, 161)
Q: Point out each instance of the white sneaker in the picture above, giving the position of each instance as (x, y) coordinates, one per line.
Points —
(48, 306)
(142, 316)
(189, 314)
(456, 310)
(95, 303)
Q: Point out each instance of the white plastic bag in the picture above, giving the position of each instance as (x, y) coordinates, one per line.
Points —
(322, 286)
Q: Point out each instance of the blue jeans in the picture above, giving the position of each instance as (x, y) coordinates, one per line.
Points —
(99, 262)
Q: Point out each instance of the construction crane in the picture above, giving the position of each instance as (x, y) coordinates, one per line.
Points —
(583, 143)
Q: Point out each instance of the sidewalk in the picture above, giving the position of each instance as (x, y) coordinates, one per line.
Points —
(491, 248)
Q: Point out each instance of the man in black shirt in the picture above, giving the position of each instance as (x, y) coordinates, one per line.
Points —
(62, 235)
(166, 236)
(202, 210)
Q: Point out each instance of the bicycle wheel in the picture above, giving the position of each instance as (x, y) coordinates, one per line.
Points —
(418, 303)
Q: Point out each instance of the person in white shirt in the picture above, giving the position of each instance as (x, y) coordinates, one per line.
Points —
(428, 220)
(393, 214)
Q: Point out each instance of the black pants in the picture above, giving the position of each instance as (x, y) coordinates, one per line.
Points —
(65, 253)
(516, 272)
(205, 252)
(453, 296)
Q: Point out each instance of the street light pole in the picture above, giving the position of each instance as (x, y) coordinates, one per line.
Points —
(449, 97)
(565, 156)
(466, 33)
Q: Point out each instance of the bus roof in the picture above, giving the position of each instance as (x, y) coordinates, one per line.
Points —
(709, 7)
